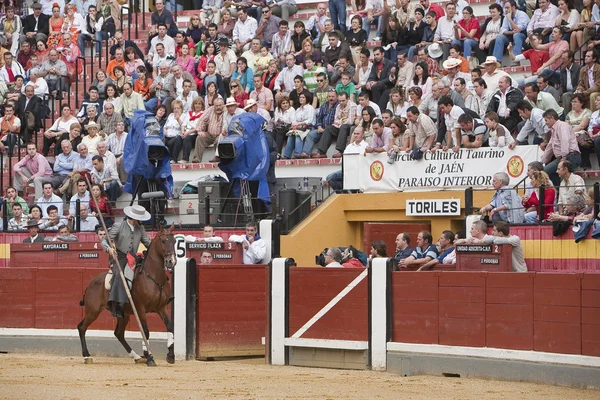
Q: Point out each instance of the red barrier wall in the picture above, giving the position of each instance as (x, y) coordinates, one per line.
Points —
(310, 289)
(558, 313)
(231, 310)
(48, 298)
(89, 255)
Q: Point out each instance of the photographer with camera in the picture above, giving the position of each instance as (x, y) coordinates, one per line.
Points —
(332, 258)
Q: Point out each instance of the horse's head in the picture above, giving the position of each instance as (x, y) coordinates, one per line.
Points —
(166, 247)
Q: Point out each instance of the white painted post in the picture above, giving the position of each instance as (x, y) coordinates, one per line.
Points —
(266, 233)
(278, 318)
(378, 314)
(180, 312)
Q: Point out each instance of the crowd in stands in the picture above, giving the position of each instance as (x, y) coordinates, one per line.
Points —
(431, 80)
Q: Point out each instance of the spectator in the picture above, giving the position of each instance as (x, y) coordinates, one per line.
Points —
(262, 95)
(445, 33)
(512, 31)
(61, 126)
(33, 168)
(82, 195)
(237, 92)
(478, 234)
(167, 41)
(207, 237)
(363, 69)
(12, 198)
(493, 74)
(53, 221)
(210, 12)
(532, 204)
(10, 127)
(589, 78)
(451, 114)
(36, 26)
(92, 139)
(11, 69)
(445, 248)
(172, 131)
(100, 234)
(344, 115)
(101, 82)
(432, 7)
(209, 127)
(378, 249)
(543, 83)
(109, 119)
(570, 184)
(64, 235)
(119, 42)
(33, 228)
(381, 138)
(18, 221)
(304, 121)
(35, 213)
(543, 19)
(506, 203)
(542, 100)
(49, 199)
(474, 132)
(106, 175)
(206, 258)
(424, 252)
(420, 131)
(403, 249)
(572, 208)
(579, 119)
(87, 223)
(480, 99)
(282, 121)
(562, 145)
(429, 105)
(398, 142)
(534, 129)
(357, 145)
(498, 135)
(63, 164)
(82, 167)
(505, 102)
(569, 78)
(100, 204)
(468, 31)
(254, 247)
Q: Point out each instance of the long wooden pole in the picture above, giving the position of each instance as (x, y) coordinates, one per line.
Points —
(149, 358)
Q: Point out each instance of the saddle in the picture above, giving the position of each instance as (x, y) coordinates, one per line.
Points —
(129, 275)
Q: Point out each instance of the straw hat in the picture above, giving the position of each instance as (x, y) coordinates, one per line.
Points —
(231, 102)
(452, 63)
(491, 60)
(250, 103)
(435, 50)
(92, 125)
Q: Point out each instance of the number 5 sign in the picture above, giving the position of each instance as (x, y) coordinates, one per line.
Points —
(180, 247)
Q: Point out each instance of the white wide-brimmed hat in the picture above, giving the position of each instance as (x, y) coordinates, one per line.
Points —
(137, 212)
(435, 50)
(452, 63)
(491, 60)
(231, 102)
(250, 103)
(92, 124)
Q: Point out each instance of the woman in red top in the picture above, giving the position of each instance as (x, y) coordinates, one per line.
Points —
(209, 55)
(532, 203)
(142, 83)
(99, 197)
(270, 75)
(468, 32)
(238, 93)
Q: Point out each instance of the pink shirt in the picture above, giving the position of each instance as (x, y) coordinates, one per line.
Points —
(557, 48)
(563, 142)
(469, 26)
(37, 165)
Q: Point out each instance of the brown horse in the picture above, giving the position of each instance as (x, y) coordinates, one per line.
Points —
(151, 292)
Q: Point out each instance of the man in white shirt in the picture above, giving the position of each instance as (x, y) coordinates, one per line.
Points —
(15, 69)
(285, 79)
(451, 114)
(208, 236)
(107, 176)
(49, 198)
(87, 223)
(244, 30)
(82, 195)
(40, 86)
(445, 33)
(534, 130)
(357, 145)
(254, 248)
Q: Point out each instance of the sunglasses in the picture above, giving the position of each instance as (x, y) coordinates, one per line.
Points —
(320, 80)
(234, 86)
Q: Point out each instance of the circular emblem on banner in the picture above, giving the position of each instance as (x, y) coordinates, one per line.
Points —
(377, 171)
(515, 166)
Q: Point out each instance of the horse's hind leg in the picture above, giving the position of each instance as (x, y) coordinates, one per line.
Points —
(164, 315)
(120, 335)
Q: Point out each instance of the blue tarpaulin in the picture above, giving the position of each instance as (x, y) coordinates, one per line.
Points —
(252, 154)
(143, 135)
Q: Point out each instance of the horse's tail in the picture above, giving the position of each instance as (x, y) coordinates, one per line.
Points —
(82, 302)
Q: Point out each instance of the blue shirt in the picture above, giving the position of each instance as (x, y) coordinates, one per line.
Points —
(521, 19)
(326, 115)
(431, 252)
(445, 254)
(401, 255)
(64, 164)
(246, 79)
(81, 163)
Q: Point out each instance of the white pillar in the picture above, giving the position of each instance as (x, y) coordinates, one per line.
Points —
(180, 311)
(379, 312)
(278, 310)
(266, 233)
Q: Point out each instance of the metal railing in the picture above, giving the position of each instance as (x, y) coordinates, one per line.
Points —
(127, 7)
(77, 82)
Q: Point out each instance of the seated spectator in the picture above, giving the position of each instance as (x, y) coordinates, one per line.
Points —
(381, 138)
(504, 103)
(87, 223)
(423, 253)
(589, 78)
(39, 84)
(92, 139)
(532, 204)
(344, 116)
(579, 119)
(82, 195)
(421, 79)
(254, 247)
(429, 105)
(569, 77)
(493, 74)
(592, 145)
(570, 184)
(91, 116)
(108, 121)
(101, 81)
(542, 100)
(478, 234)
(118, 61)
(561, 146)
(403, 249)
(64, 235)
(500, 235)
(378, 249)
(284, 9)
(573, 206)
(380, 78)
(445, 248)
(162, 88)
(10, 128)
(498, 135)
(63, 165)
(333, 258)
(474, 132)
(282, 121)
(130, 101)
(100, 204)
(513, 30)
(207, 237)
(350, 258)
(415, 96)
(106, 175)
(48, 199)
(206, 258)
(397, 104)
(534, 129)
(261, 63)
(61, 126)
(33, 229)
(262, 95)
(18, 221)
(36, 26)
(398, 142)
(237, 92)
(34, 213)
(506, 203)
(12, 198)
(303, 123)
(209, 128)
(11, 69)
(53, 221)
(172, 131)
(33, 168)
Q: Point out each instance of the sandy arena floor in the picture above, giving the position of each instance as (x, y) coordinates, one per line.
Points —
(50, 377)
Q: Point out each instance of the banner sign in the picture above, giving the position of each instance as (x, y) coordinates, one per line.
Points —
(436, 171)
(438, 207)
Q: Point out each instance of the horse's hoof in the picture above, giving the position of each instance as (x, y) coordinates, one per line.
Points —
(150, 362)
(141, 360)
(88, 360)
(171, 359)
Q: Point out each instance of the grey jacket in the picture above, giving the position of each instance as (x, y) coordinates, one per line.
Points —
(125, 240)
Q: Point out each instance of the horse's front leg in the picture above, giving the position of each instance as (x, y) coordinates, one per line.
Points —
(165, 315)
(149, 358)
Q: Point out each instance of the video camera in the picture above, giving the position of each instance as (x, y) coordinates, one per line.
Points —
(320, 259)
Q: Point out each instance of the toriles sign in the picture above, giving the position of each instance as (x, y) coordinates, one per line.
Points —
(433, 207)
(440, 170)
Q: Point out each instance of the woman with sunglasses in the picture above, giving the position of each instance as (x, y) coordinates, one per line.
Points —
(194, 30)
(238, 93)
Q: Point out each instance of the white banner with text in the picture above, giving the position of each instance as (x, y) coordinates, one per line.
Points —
(437, 171)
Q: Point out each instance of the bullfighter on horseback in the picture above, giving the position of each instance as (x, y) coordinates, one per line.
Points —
(126, 236)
